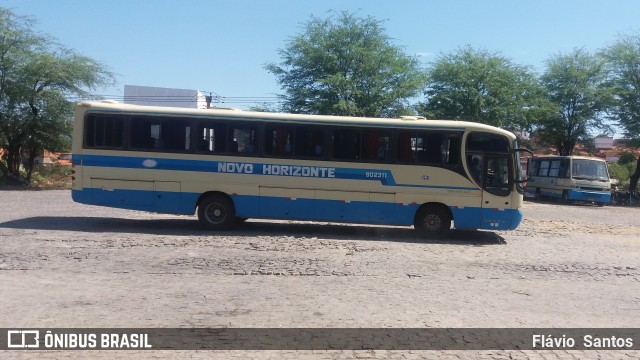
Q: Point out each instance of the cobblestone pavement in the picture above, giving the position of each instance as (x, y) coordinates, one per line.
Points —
(64, 264)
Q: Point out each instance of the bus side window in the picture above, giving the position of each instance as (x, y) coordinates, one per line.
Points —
(564, 167)
(277, 140)
(405, 154)
(308, 141)
(544, 168)
(346, 143)
(554, 169)
(451, 150)
(535, 168)
(233, 145)
(104, 131)
(212, 137)
(376, 144)
(243, 138)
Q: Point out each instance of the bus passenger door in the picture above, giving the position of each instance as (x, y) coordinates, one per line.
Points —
(496, 191)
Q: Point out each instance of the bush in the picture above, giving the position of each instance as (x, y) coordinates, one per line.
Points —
(622, 172)
(626, 158)
(53, 176)
(619, 172)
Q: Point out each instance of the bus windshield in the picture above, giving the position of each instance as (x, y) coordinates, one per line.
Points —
(589, 170)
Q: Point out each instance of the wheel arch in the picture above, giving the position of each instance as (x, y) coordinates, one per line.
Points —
(434, 204)
(209, 193)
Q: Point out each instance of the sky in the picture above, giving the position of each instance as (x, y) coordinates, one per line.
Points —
(222, 46)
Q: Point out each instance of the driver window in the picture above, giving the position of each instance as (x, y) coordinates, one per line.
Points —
(497, 176)
(476, 162)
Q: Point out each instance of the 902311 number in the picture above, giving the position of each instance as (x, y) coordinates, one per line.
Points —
(375, 175)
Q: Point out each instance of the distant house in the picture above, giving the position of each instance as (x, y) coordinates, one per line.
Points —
(603, 142)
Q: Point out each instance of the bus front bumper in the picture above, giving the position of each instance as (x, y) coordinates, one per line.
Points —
(501, 219)
(585, 195)
(486, 218)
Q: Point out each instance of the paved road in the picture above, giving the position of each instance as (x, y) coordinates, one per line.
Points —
(69, 265)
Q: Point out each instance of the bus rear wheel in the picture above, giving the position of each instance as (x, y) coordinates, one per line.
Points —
(432, 220)
(216, 212)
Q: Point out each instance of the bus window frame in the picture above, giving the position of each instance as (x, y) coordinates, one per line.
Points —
(457, 166)
(130, 124)
(124, 137)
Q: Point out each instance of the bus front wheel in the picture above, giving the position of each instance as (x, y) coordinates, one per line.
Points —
(432, 220)
(216, 212)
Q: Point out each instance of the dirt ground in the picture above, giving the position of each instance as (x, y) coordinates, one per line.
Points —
(64, 264)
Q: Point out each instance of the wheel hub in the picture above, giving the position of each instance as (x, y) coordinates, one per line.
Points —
(215, 214)
(432, 222)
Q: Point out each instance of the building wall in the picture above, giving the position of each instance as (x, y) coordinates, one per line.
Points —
(156, 96)
(604, 142)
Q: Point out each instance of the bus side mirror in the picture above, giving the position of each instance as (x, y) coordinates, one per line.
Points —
(526, 177)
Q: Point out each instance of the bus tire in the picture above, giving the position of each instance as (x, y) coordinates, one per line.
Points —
(432, 220)
(216, 212)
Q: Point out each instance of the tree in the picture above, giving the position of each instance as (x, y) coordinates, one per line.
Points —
(623, 60)
(575, 83)
(626, 158)
(479, 86)
(345, 65)
(36, 78)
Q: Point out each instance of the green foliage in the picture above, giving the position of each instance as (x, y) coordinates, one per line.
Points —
(265, 107)
(479, 86)
(575, 83)
(619, 171)
(623, 173)
(36, 78)
(626, 158)
(345, 65)
(51, 176)
(623, 65)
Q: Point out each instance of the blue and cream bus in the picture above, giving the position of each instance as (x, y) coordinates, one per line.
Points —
(569, 178)
(228, 165)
